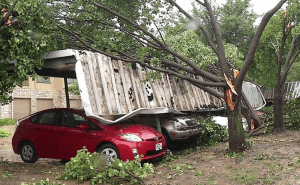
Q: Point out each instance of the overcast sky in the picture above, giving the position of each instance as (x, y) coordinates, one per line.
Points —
(259, 6)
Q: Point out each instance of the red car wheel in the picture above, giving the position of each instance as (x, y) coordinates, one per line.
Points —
(28, 153)
(110, 152)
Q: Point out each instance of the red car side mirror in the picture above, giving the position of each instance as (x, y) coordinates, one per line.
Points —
(83, 126)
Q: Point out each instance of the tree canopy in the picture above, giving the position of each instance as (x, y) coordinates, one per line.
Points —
(25, 34)
(266, 60)
(236, 19)
(276, 55)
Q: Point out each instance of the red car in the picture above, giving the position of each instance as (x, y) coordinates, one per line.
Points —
(59, 133)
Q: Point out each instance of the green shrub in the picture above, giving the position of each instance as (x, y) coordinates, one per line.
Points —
(269, 111)
(168, 157)
(7, 121)
(212, 133)
(92, 167)
(118, 169)
(4, 133)
(81, 167)
(270, 117)
(291, 115)
(291, 112)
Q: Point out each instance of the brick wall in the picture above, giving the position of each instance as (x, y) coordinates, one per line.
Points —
(58, 96)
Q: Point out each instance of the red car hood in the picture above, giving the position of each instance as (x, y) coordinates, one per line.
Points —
(142, 131)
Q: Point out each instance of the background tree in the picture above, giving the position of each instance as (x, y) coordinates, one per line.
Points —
(236, 19)
(277, 53)
(104, 28)
(25, 34)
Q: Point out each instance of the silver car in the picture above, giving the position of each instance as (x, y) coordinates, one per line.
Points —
(175, 128)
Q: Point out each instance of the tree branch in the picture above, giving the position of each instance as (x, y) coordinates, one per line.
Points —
(4, 19)
(209, 90)
(179, 66)
(137, 37)
(216, 30)
(131, 174)
(277, 53)
(250, 109)
(255, 41)
(206, 33)
(285, 72)
(162, 38)
(200, 2)
(288, 61)
(280, 55)
(164, 47)
(190, 79)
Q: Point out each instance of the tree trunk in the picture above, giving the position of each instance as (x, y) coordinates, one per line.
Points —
(278, 110)
(235, 126)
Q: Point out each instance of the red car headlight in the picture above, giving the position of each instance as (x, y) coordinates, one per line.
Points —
(131, 137)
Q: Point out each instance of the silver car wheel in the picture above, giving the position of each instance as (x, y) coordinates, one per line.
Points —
(109, 154)
(27, 152)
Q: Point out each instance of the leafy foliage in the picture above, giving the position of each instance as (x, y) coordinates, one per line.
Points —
(188, 44)
(270, 44)
(102, 30)
(277, 53)
(4, 133)
(236, 22)
(74, 89)
(235, 155)
(269, 111)
(266, 57)
(92, 167)
(118, 168)
(81, 167)
(212, 133)
(291, 112)
(23, 42)
(169, 157)
(7, 121)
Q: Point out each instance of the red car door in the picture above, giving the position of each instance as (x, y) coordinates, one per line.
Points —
(48, 135)
(75, 139)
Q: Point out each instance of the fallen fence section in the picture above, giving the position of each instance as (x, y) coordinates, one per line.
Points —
(292, 91)
(111, 87)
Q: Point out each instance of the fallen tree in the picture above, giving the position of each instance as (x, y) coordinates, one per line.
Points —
(133, 40)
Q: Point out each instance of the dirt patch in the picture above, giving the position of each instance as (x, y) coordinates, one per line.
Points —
(273, 159)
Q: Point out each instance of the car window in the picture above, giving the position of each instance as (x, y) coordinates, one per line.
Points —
(93, 126)
(71, 119)
(33, 119)
(46, 118)
(68, 119)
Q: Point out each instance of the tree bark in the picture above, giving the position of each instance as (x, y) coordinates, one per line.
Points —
(235, 126)
(278, 110)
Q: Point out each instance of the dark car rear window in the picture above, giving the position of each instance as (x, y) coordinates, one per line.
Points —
(33, 119)
(46, 118)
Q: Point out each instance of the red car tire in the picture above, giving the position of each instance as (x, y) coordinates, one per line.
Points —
(109, 151)
(28, 153)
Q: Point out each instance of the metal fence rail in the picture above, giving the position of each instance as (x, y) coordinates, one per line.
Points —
(292, 91)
